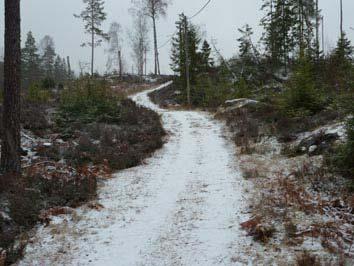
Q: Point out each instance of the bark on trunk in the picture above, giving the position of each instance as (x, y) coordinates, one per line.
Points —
(120, 63)
(317, 31)
(157, 63)
(11, 142)
(92, 42)
(341, 19)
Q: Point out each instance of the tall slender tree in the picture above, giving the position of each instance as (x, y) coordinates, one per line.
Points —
(341, 18)
(154, 9)
(278, 22)
(70, 73)
(207, 62)
(48, 57)
(317, 42)
(44, 43)
(30, 62)
(304, 17)
(114, 48)
(93, 16)
(178, 53)
(60, 70)
(140, 40)
(11, 139)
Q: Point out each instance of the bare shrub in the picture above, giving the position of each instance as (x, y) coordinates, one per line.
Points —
(307, 259)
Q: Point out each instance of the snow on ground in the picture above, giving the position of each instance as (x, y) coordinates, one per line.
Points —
(183, 206)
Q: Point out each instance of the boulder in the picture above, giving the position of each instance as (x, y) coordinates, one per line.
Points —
(231, 105)
(317, 143)
(239, 103)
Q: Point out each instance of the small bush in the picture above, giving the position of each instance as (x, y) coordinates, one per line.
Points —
(302, 97)
(25, 205)
(307, 259)
(209, 93)
(37, 95)
(48, 83)
(343, 157)
(243, 90)
(88, 101)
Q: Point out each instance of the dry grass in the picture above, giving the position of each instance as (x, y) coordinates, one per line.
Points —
(307, 259)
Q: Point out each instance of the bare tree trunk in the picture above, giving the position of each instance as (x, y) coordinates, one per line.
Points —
(92, 53)
(157, 63)
(145, 61)
(317, 32)
(11, 142)
(186, 45)
(323, 34)
(69, 67)
(92, 43)
(120, 63)
(341, 19)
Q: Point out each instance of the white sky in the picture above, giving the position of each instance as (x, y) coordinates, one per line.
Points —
(219, 21)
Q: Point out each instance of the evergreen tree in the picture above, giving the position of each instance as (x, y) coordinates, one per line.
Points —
(30, 62)
(178, 55)
(48, 59)
(289, 29)
(65, 71)
(304, 19)
(93, 16)
(303, 98)
(341, 65)
(278, 23)
(245, 43)
(344, 49)
(248, 56)
(206, 61)
(60, 74)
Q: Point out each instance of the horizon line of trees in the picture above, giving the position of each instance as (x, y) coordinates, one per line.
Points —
(40, 62)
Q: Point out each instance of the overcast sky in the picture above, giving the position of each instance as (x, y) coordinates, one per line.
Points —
(219, 21)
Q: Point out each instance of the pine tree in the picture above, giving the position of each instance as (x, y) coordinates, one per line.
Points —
(178, 56)
(206, 61)
(304, 19)
(48, 59)
(60, 74)
(245, 43)
(342, 64)
(248, 56)
(11, 137)
(344, 49)
(278, 23)
(30, 62)
(93, 16)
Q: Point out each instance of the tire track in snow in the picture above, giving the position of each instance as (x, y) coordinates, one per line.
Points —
(183, 207)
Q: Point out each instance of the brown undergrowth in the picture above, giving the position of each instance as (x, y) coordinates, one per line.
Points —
(298, 206)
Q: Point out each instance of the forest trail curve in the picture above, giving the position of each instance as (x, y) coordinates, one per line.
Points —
(183, 206)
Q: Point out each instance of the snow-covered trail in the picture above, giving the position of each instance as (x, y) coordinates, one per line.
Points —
(182, 207)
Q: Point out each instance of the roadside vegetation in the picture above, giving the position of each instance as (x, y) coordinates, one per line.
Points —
(71, 138)
(287, 101)
(289, 105)
(75, 130)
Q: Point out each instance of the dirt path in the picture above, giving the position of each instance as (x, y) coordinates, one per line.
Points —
(182, 207)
